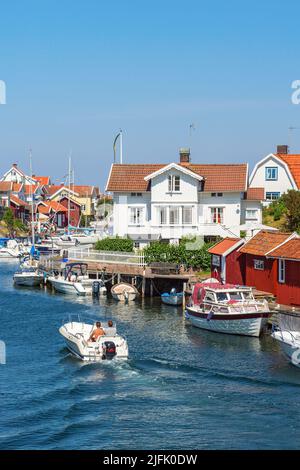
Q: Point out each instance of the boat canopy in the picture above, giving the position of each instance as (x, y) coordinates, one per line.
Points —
(200, 288)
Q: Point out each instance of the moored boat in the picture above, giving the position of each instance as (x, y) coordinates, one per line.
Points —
(290, 344)
(107, 347)
(74, 280)
(28, 276)
(124, 292)
(226, 308)
(172, 298)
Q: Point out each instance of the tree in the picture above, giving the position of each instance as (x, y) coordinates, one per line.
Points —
(291, 201)
(9, 219)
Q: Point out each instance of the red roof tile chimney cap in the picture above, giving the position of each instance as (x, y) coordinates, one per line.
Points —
(283, 149)
(184, 154)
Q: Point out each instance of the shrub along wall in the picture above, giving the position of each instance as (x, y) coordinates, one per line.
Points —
(114, 244)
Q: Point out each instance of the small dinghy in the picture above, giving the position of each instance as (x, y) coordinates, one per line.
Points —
(172, 298)
(124, 292)
(109, 346)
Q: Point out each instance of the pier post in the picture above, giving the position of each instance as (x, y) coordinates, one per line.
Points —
(151, 288)
(143, 286)
(119, 278)
(183, 300)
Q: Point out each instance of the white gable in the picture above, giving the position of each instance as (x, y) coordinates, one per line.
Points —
(173, 166)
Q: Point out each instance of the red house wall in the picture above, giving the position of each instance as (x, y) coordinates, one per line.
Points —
(265, 280)
(288, 293)
(74, 211)
(235, 268)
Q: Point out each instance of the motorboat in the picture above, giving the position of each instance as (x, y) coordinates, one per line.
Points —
(110, 346)
(73, 280)
(124, 292)
(172, 298)
(65, 241)
(290, 344)
(12, 249)
(227, 308)
(29, 273)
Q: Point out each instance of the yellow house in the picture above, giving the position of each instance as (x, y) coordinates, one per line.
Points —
(86, 196)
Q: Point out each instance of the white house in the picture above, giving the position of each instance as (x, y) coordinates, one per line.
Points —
(276, 173)
(154, 201)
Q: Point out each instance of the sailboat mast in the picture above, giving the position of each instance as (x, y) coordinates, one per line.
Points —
(69, 205)
(31, 194)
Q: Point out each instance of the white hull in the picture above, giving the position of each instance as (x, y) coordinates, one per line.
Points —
(244, 327)
(66, 287)
(28, 279)
(8, 254)
(290, 345)
(76, 337)
(124, 298)
(172, 300)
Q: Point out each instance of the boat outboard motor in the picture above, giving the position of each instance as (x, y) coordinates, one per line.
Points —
(96, 288)
(109, 350)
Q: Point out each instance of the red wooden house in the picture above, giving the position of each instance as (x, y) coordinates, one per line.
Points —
(75, 210)
(227, 264)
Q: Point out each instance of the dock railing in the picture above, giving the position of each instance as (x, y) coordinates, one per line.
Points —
(89, 255)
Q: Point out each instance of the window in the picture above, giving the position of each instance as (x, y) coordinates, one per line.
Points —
(217, 215)
(174, 215)
(216, 194)
(187, 215)
(209, 297)
(136, 194)
(137, 245)
(271, 173)
(235, 296)
(162, 216)
(222, 296)
(281, 271)
(136, 215)
(83, 207)
(251, 214)
(174, 183)
(216, 260)
(272, 196)
(259, 264)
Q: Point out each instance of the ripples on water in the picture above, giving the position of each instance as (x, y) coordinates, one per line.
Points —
(181, 388)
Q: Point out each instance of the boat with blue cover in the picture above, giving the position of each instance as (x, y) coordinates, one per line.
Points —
(172, 298)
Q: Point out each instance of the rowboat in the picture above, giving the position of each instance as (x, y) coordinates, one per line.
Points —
(124, 292)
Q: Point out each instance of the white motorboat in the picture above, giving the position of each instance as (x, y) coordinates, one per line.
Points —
(74, 280)
(65, 241)
(172, 298)
(107, 347)
(226, 308)
(28, 276)
(124, 292)
(12, 249)
(290, 344)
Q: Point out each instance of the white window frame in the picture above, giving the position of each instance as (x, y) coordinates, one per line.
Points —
(136, 215)
(162, 220)
(174, 209)
(174, 183)
(271, 169)
(259, 264)
(281, 271)
(249, 217)
(216, 261)
(190, 210)
(217, 209)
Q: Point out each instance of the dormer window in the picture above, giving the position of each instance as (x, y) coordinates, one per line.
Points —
(174, 183)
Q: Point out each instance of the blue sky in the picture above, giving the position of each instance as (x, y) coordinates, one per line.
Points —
(77, 71)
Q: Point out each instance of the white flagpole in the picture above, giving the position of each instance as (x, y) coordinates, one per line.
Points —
(31, 191)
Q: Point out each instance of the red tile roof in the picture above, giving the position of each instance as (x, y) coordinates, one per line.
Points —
(5, 186)
(30, 188)
(81, 190)
(263, 242)
(217, 177)
(47, 206)
(290, 249)
(255, 194)
(293, 162)
(223, 246)
(42, 179)
(16, 187)
(17, 201)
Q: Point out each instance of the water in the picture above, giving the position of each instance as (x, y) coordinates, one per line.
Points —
(181, 388)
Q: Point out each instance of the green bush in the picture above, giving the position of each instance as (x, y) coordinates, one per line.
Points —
(197, 258)
(115, 244)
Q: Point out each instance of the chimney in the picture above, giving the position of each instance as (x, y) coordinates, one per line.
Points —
(15, 165)
(184, 154)
(284, 149)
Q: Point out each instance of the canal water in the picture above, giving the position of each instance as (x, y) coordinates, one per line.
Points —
(181, 388)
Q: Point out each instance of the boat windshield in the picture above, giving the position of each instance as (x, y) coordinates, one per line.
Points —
(235, 296)
(222, 296)
(248, 295)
